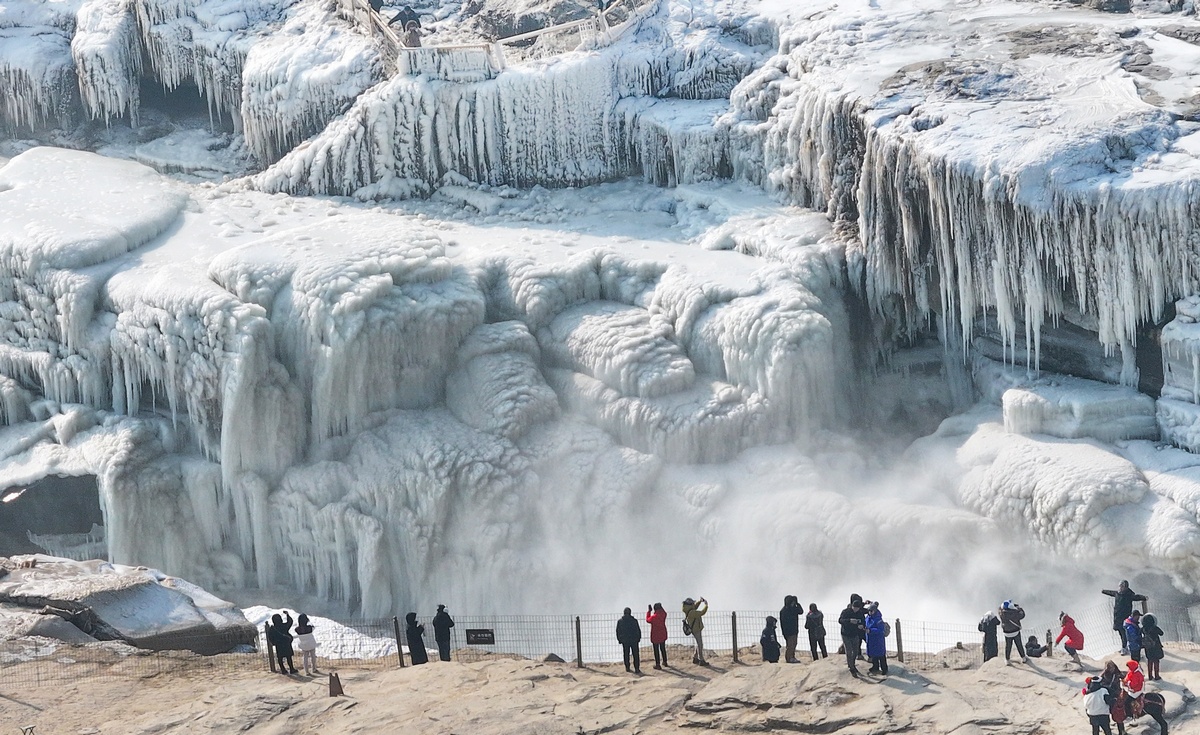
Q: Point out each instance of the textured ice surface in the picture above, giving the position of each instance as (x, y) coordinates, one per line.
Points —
(143, 607)
(380, 405)
(358, 403)
(1074, 408)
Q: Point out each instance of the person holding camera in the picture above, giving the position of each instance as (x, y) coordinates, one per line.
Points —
(656, 616)
(1011, 615)
(693, 623)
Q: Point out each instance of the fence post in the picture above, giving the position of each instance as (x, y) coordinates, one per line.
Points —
(399, 648)
(733, 622)
(267, 639)
(899, 642)
(578, 644)
(1049, 645)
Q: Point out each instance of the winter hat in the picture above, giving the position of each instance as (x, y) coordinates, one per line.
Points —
(1006, 604)
(441, 608)
(689, 601)
(872, 606)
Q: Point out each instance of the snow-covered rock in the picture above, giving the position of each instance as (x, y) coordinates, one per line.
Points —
(104, 601)
(1075, 408)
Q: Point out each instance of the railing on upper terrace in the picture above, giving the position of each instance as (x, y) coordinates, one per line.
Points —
(481, 61)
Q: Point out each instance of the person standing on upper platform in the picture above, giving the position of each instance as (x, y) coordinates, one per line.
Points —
(1123, 599)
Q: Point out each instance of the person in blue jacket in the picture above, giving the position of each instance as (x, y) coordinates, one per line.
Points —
(876, 640)
(1133, 635)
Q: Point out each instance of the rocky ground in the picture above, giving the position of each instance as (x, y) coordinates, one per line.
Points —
(517, 696)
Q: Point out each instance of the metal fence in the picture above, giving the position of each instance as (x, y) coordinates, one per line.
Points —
(43, 661)
(579, 639)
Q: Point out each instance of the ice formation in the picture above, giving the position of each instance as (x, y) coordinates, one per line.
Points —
(101, 601)
(277, 69)
(377, 404)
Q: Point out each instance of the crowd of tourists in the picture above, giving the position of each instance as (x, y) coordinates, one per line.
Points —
(1111, 697)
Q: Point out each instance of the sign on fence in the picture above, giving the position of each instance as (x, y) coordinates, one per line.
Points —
(481, 637)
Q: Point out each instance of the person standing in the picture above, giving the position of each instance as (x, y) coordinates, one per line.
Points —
(280, 638)
(1011, 616)
(1123, 599)
(307, 643)
(629, 635)
(1096, 704)
(814, 623)
(769, 642)
(1152, 645)
(442, 623)
(415, 632)
(876, 639)
(656, 615)
(853, 628)
(789, 626)
(1073, 635)
(693, 621)
(988, 625)
(1133, 635)
(412, 35)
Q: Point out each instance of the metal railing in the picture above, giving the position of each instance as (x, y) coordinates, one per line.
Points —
(480, 61)
(580, 639)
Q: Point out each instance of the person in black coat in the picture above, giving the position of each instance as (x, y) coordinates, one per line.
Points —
(416, 640)
(854, 626)
(789, 626)
(280, 639)
(814, 623)
(629, 634)
(991, 644)
(769, 642)
(1123, 599)
(1152, 643)
(442, 623)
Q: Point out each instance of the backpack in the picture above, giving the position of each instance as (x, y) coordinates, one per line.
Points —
(687, 629)
(887, 629)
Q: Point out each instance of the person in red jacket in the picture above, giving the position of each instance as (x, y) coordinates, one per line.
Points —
(656, 615)
(1073, 635)
(1135, 682)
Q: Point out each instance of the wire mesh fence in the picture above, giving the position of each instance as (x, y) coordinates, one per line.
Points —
(581, 639)
(37, 661)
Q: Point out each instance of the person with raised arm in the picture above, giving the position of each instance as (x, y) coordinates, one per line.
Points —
(1123, 599)
(656, 616)
(693, 625)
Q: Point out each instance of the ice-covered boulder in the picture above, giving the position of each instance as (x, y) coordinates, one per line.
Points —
(625, 347)
(1074, 408)
(1056, 489)
(1180, 340)
(1179, 422)
(140, 606)
(497, 385)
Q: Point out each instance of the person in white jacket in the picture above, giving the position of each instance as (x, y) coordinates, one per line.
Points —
(307, 643)
(1095, 705)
